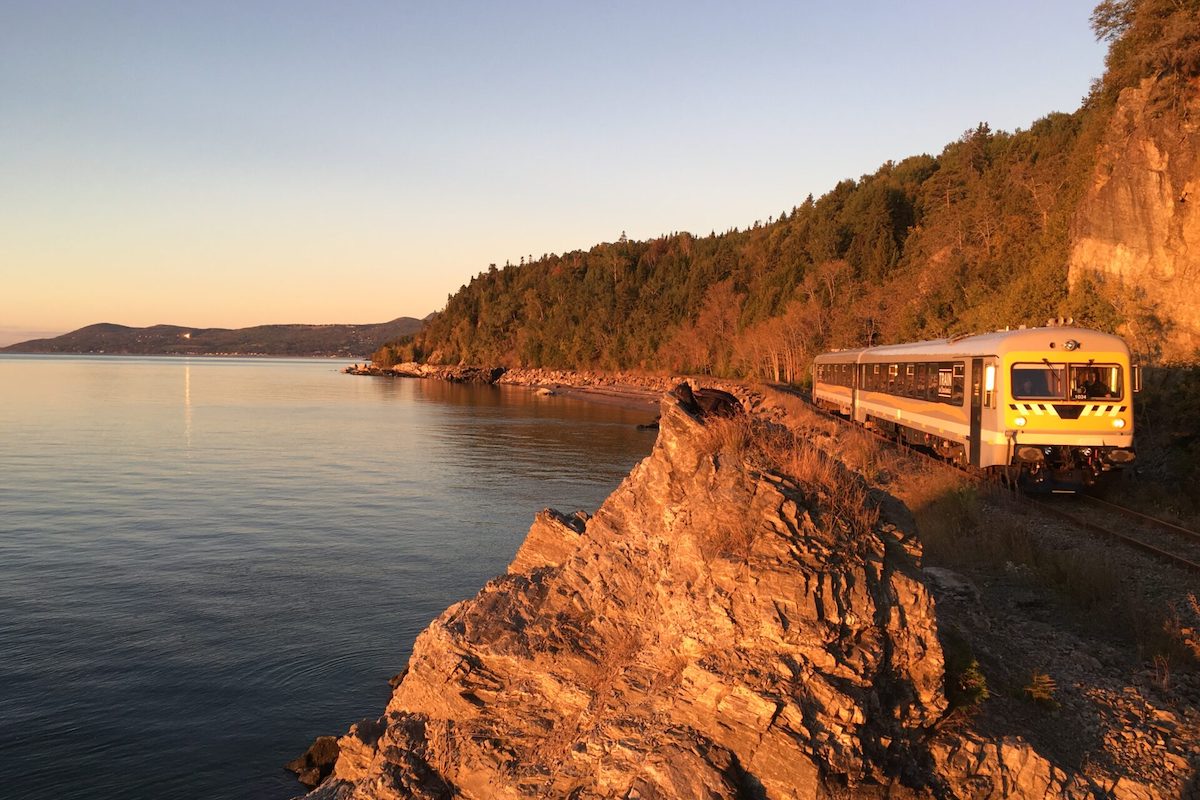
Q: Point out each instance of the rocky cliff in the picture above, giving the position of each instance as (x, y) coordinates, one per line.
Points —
(719, 629)
(1138, 224)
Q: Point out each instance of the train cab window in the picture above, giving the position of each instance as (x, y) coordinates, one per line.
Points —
(1095, 381)
(1039, 381)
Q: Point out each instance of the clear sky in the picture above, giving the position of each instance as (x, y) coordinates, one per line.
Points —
(235, 163)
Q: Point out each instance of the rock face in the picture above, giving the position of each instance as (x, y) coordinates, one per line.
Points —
(1139, 221)
(709, 633)
(714, 631)
(317, 762)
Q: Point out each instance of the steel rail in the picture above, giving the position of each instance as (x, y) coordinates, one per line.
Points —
(1155, 521)
(1131, 541)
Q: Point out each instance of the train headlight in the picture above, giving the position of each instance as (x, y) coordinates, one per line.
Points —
(1020, 422)
(1118, 423)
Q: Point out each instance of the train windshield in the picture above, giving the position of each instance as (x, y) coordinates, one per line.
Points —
(1048, 381)
(1095, 381)
(1039, 381)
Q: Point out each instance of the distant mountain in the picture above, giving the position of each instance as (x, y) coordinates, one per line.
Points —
(261, 340)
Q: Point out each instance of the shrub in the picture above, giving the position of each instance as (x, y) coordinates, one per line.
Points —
(1041, 690)
(966, 686)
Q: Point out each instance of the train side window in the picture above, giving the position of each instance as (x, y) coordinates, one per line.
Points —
(920, 382)
(910, 377)
(956, 397)
(893, 371)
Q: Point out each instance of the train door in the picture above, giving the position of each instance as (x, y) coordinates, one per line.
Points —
(854, 371)
(976, 409)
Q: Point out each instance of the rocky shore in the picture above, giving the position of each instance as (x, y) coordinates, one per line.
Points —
(720, 628)
(628, 388)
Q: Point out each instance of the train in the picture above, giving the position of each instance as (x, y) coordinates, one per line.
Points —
(1050, 408)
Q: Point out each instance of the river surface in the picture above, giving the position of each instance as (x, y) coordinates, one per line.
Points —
(206, 563)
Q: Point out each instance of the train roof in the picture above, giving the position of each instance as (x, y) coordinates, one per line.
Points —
(842, 355)
(1049, 338)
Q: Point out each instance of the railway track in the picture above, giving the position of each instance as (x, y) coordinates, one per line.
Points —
(1165, 540)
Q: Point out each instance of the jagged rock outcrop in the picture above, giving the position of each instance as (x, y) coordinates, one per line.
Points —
(315, 764)
(712, 632)
(1139, 220)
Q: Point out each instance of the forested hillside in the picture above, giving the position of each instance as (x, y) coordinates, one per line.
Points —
(976, 237)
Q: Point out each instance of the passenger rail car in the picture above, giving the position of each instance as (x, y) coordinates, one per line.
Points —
(1052, 405)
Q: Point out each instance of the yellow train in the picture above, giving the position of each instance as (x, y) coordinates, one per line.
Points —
(1052, 406)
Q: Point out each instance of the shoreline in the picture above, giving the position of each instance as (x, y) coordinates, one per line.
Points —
(629, 390)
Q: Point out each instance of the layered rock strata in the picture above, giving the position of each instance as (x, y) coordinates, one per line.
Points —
(628, 655)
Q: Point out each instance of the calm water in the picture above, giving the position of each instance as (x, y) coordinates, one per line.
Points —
(204, 564)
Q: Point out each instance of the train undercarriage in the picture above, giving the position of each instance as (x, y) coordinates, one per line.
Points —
(1067, 468)
(1035, 468)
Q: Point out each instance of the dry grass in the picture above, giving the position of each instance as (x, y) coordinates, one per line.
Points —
(842, 500)
(1168, 465)
(964, 527)
(1172, 638)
